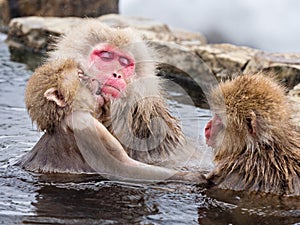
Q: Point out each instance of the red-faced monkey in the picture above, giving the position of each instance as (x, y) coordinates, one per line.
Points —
(256, 146)
(116, 67)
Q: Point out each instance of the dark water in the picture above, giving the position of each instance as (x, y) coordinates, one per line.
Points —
(27, 198)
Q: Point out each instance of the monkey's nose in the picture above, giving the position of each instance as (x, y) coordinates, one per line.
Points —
(115, 75)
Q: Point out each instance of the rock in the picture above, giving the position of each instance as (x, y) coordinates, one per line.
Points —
(183, 60)
(295, 92)
(155, 31)
(183, 53)
(294, 95)
(285, 65)
(37, 33)
(4, 15)
(225, 60)
(60, 8)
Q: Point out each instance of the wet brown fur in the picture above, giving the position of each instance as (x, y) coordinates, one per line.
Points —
(145, 128)
(47, 114)
(57, 150)
(259, 149)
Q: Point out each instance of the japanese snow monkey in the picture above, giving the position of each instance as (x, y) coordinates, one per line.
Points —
(256, 146)
(100, 104)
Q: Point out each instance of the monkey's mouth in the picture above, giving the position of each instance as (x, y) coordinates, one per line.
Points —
(105, 89)
(111, 90)
(209, 132)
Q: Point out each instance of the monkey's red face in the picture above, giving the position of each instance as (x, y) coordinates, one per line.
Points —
(111, 69)
(212, 129)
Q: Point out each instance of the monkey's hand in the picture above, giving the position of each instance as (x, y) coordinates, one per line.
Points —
(95, 87)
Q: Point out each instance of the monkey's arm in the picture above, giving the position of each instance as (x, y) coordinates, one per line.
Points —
(105, 154)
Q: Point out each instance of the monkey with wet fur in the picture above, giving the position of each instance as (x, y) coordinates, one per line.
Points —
(256, 146)
(116, 66)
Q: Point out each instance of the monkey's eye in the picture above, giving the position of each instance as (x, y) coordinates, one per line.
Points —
(124, 61)
(106, 56)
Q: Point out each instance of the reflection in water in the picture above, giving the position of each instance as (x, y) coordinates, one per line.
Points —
(114, 202)
(64, 199)
(230, 207)
(109, 202)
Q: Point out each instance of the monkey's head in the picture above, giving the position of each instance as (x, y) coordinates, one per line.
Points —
(110, 59)
(53, 92)
(250, 111)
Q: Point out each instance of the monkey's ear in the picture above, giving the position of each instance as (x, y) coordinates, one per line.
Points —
(52, 94)
(252, 123)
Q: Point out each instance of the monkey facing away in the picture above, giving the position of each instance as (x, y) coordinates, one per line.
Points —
(256, 146)
(117, 69)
